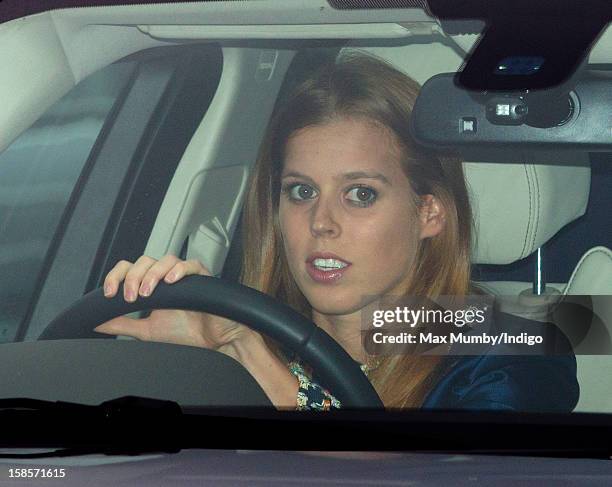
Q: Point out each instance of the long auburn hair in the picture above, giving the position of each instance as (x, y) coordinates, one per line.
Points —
(361, 85)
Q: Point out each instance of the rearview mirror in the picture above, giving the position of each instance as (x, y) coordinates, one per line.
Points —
(447, 116)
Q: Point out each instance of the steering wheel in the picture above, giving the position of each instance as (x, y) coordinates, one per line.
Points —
(337, 370)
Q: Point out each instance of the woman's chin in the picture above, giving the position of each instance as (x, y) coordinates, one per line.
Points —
(329, 305)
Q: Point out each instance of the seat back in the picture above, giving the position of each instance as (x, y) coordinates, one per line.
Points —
(592, 281)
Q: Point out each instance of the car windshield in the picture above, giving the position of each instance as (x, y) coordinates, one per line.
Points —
(300, 205)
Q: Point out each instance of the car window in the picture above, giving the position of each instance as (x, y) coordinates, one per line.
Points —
(362, 171)
(38, 173)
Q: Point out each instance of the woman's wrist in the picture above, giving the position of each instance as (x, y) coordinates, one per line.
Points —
(243, 345)
(272, 375)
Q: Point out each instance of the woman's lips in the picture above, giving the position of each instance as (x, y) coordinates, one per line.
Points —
(325, 277)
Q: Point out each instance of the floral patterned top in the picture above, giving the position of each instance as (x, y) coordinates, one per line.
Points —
(311, 396)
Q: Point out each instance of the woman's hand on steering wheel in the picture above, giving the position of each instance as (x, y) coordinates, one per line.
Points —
(166, 325)
(192, 327)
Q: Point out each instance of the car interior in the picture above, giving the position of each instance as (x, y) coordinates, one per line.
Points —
(531, 207)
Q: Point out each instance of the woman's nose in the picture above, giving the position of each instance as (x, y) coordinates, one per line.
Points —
(323, 222)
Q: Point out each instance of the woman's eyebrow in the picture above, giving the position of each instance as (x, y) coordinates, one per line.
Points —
(295, 174)
(366, 175)
(348, 175)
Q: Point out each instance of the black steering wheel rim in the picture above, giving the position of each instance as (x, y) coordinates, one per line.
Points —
(336, 369)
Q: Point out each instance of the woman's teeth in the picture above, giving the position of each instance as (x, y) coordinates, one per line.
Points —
(326, 264)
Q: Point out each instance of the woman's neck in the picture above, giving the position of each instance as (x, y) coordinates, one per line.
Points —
(346, 330)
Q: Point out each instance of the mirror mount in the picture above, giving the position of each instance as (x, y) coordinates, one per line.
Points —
(526, 45)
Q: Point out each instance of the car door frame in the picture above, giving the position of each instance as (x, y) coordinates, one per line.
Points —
(114, 204)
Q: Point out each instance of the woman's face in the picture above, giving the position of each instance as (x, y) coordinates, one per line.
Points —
(348, 218)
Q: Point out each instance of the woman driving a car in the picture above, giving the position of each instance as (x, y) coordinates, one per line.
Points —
(344, 209)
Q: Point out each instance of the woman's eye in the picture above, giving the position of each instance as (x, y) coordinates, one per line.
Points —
(362, 195)
(300, 192)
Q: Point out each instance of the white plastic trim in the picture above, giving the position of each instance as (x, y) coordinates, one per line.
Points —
(225, 145)
(324, 31)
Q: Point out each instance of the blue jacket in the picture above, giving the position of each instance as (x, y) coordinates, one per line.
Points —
(543, 381)
(510, 382)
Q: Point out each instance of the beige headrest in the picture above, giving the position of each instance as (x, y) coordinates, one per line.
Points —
(519, 206)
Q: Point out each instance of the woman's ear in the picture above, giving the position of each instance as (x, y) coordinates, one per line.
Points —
(432, 216)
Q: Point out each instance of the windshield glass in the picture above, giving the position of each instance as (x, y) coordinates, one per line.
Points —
(449, 248)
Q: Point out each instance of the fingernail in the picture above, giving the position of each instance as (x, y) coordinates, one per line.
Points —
(145, 290)
(171, 277)
(129, 296)
(107, 291)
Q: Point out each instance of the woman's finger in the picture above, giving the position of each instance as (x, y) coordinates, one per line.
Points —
(115, 277)
(186, 268)
(156, 273)
(137, 328)
(134, 277)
